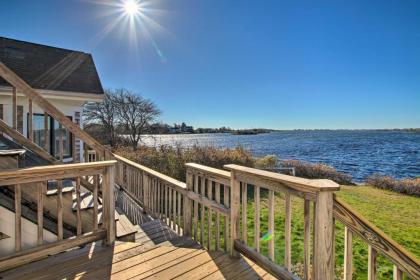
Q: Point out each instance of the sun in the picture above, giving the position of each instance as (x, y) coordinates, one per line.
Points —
(131, 7)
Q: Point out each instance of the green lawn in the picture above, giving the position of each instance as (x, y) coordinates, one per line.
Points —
(396, 214)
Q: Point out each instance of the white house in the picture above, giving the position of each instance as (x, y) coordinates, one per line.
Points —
(66, 78)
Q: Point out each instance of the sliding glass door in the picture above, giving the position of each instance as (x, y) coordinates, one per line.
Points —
(54, 131)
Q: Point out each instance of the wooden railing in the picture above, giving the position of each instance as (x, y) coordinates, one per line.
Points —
(34, 98)
(213, 208)
(208, 215)
(319, 193)
(177, 204)
(378, 243)
(19, 179)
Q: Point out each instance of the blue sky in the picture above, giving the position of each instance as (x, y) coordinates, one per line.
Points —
(245, 64)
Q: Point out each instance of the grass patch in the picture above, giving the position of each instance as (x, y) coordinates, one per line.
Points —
(397, 215)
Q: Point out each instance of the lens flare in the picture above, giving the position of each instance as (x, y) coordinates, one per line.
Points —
(131, 20)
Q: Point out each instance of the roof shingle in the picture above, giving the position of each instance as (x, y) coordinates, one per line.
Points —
(50, 68)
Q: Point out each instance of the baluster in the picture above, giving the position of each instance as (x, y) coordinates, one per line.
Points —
(372, 254)
(18, 221)
(398, 274)
(179, 213)
(78, 211)
(170, 207)
(30, 117)
(209, 213)
(271, 202)
(195, 208)
(174, 210)
(226, 196)
(151, 184)
(288, 232)
(257, 218)
(164, 197)
(166, 204)
(203, 185)
(245, 212)
(307, 238)
(348, 254)
(96, 203)
(158, 202)
(59, 209)
(217, 193)
(40, 212)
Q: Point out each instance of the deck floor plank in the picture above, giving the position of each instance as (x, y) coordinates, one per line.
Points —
(159, 254)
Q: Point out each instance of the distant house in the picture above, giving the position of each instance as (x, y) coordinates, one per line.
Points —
(66, 78)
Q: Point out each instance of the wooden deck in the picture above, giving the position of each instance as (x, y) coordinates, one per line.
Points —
(158, 253)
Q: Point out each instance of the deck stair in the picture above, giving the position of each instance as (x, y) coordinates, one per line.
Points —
(125, 229)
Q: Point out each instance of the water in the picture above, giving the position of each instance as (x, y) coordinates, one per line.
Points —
(358, 153)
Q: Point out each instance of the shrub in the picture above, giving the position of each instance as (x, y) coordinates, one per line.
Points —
(171, 160)
(406, 186)
(317, 171)
(267, 162)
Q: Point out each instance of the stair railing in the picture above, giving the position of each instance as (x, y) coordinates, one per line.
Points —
(33, 97)
(20, 179)
(165, 198)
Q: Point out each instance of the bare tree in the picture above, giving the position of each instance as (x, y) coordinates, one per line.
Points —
(135, 113)
(105, 114)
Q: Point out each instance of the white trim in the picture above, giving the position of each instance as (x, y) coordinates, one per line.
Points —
(64, 95)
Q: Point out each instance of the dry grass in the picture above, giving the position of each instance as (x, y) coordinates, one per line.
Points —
(171, 160)
(405, 186)
(318, 171)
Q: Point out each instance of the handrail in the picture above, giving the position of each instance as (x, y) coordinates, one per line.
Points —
(32, 182)
(297, 183)
(218, 175)
(376, 238)
(44, 104)
(52, 172)
(168, 180)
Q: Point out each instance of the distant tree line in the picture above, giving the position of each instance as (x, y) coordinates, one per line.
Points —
(123, 117)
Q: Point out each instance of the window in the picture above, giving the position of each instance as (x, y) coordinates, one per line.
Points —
(1, 111)
(38, 128)
(67, 145)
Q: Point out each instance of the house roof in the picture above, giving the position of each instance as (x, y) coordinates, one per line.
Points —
(50, 68)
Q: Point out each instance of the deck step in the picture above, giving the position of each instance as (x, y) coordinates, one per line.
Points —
(125, 229)
(63, 190)
(86, 201)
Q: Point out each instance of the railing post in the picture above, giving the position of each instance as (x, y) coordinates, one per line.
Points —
(324, 236)
(235, 189)
(188, 206)
(109, 204)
